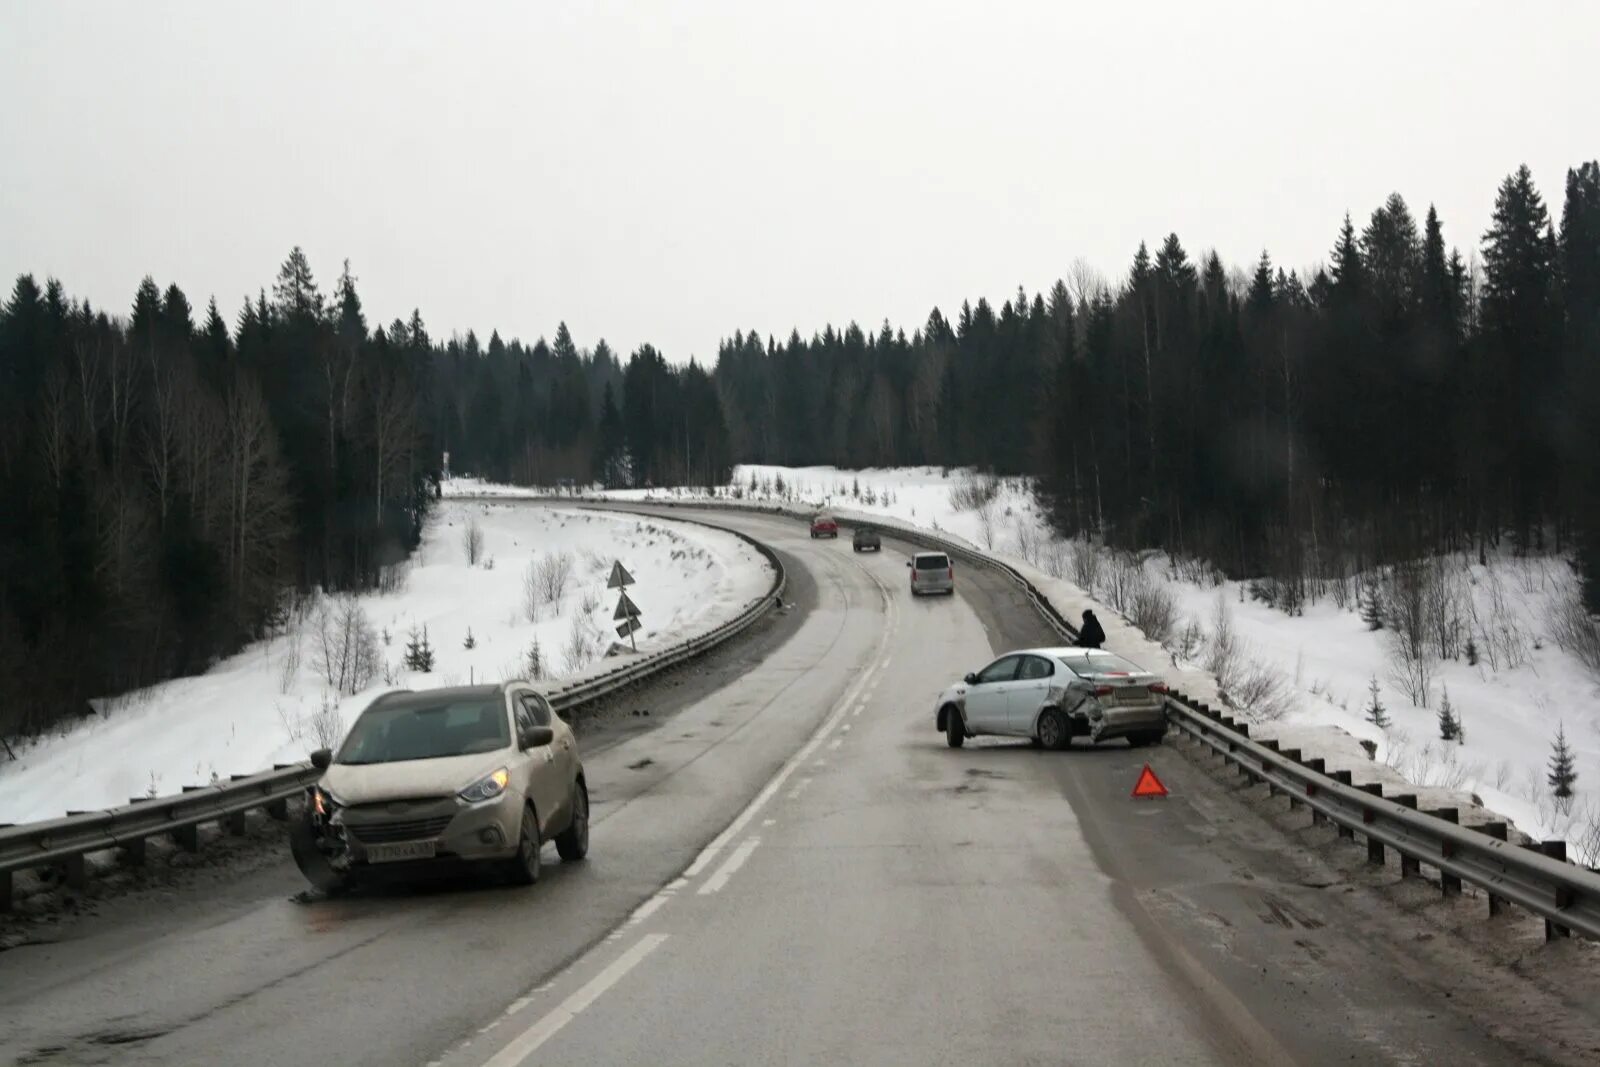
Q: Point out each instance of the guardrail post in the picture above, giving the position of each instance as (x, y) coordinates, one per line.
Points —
(1410, 866)
(1556, 850)
(1374, 846)
(76, 869)
(1343, 778)
(1319, 766)
(187, 837)
(238, 823)
(1496, 830)
(133, 852)
(1449, 884)
(5, 890)
(1271, 746)
(1292, 754)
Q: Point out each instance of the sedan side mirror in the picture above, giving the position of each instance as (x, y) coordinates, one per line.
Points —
(536, 737)
(321, 758)
(971, 679)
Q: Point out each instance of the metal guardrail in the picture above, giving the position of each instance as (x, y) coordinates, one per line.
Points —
(67, 841)
(1536, 876)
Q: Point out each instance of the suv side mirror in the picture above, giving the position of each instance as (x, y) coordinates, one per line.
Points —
(536, 737)
(971, 679)
(908, 563)
(321, 758)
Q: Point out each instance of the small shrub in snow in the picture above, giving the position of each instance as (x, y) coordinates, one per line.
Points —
(1472, 652)
(531, 598)
(1153, 608)
(1411, 669)
(388, 638)
(535, 662)
(327, 725)
(1087, 565)
(1187, 642)
(582, 645)
(1224, 648)
(972, 492)
(590, 603)
(1573, 629)
(472, 542)
(1563, 770)
(419, 652)
(555, 571)
(347, 649)
(1376, 713)
(469, 642)
(1371, 606)
(392, 577)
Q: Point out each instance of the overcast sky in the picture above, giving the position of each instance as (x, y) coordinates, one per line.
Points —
(668, 172)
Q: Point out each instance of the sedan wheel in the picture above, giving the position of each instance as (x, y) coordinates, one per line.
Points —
(955, 734)
(1053, 730)
(573, 843)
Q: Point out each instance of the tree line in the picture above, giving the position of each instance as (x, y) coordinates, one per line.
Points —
(1400, 400)
(168, 477)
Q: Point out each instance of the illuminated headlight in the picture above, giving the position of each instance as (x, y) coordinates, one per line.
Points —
(487, 787)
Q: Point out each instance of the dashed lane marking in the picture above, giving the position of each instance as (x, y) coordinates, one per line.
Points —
(526, 1043)
(730, 866)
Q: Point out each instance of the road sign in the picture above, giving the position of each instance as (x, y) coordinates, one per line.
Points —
(627, 628)
(626, 609)
(1148, 784)
(619, 577)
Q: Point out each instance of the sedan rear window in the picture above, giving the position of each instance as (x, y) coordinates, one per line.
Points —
(1100, 663)
(936, 561)
(426, 731)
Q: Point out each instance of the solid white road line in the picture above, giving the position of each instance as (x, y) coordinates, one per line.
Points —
(525, 1044)
(732, 864)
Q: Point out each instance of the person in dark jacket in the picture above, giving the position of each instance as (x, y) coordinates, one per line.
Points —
(1090, 635)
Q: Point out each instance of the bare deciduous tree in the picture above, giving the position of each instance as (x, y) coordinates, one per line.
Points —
(347, 648)
(472, 541)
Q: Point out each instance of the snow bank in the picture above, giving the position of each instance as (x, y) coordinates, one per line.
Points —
(272, 702)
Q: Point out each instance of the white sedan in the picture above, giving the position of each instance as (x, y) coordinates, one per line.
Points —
(1052, 695)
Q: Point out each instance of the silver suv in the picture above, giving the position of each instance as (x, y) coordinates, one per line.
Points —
(1053, 695)
(932, 572)
(480, 775)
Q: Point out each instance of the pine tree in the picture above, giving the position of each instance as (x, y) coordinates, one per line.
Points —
(1449, 725)
(535, 661)
(1563, 769)
(1472, 652)
(419, 653)
(1372, 606)
(469, 642)
(1376, 713)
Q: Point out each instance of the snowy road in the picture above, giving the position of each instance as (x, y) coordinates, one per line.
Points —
(790, 867)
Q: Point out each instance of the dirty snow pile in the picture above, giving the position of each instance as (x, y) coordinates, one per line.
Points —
(496, 590)
(1494, 637)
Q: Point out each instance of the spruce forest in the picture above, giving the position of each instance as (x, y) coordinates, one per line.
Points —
(173, 477)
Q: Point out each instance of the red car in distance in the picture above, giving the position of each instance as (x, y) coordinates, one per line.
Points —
(823, 525)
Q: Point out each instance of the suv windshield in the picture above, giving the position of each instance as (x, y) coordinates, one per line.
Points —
(932, 563)
(1100, 663)
(427, 731)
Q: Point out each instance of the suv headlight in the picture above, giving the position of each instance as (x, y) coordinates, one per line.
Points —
(323, 802)
(488, 787)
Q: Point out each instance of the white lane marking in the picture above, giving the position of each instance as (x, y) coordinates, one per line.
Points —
(845, 728)
(647, 909)
(800, 787)
(730, 866)
(769, 822)
(718, 843)
(525, 1044)
(885, 661)
(833, 746)
(677, 884)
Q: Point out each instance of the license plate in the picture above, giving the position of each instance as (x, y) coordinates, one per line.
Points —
(1133, 695)
(410, 850)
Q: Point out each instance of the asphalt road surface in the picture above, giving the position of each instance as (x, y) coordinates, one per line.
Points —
(789, 866)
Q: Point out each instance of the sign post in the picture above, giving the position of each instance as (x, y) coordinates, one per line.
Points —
(627, 611)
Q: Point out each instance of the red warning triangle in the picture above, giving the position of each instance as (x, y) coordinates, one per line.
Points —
(1149, 785)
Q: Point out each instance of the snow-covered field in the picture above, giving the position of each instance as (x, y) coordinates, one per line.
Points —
(274, 702)
(1321, 663)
